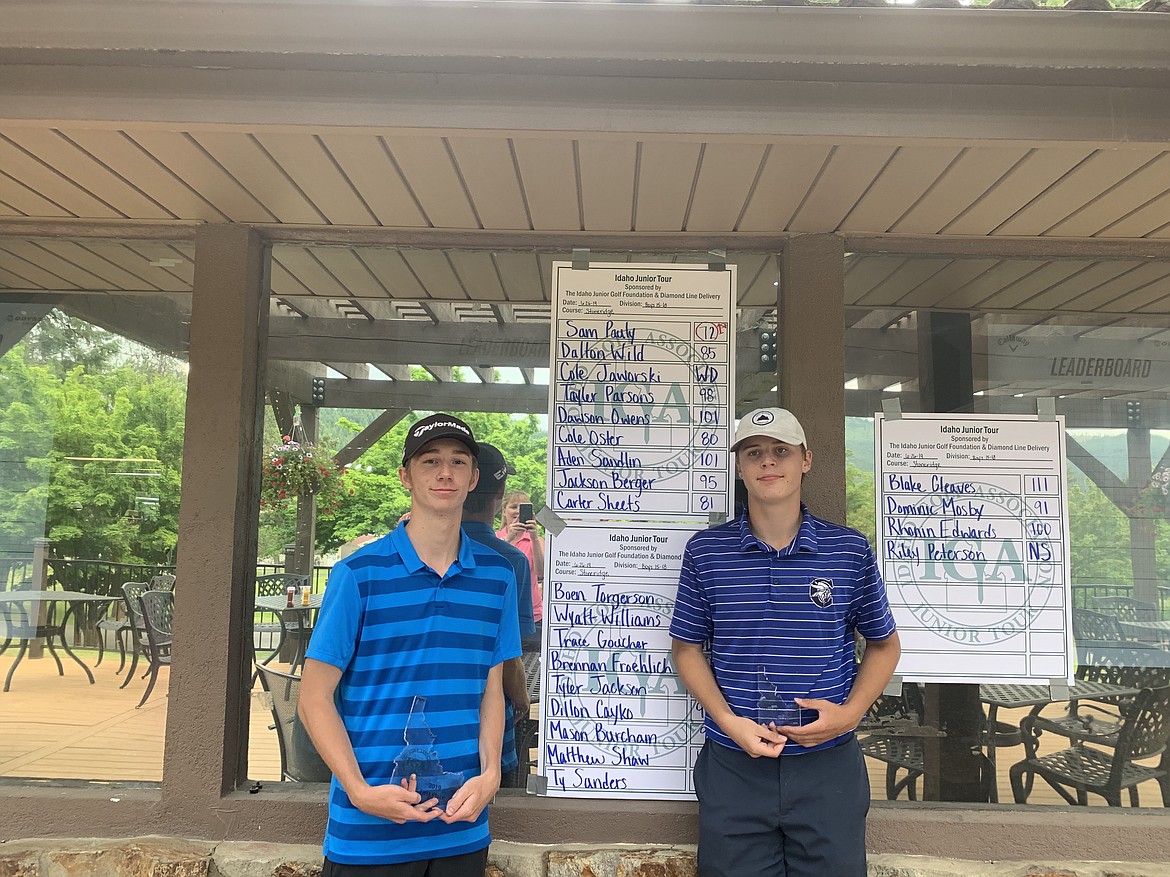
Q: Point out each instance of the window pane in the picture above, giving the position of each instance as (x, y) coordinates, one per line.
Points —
(458, 331)
(941, 335)
(93, 402)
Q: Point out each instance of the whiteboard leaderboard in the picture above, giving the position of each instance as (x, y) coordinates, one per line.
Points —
(972, 532)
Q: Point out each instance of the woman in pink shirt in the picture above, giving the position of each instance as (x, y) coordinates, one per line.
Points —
(523, 535)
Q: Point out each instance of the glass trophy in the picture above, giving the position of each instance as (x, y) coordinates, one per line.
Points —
(773, 708)
(421, 759)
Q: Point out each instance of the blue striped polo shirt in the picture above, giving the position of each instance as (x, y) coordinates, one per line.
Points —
(398, 630)
(786, 617)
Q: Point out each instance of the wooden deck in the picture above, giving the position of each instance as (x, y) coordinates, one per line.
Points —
(61, 727)
(54, 727)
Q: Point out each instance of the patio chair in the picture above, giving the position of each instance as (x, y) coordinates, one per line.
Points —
(119, 625)
(1100, 719)
(133, 626)
(1102, 766)
(299, 760)
(158, 610)
(162, 582)
(888, 715)
(17, 623)
(1091, 625)
(270, 586)
(1126, 608)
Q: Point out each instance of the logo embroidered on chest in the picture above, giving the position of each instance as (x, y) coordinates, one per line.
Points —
(820, 591)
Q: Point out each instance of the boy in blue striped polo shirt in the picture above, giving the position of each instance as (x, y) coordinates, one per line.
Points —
(778, 595)
(422, 612)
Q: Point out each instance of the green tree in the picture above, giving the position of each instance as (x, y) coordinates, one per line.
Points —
(62, 342)
(117, 463)
(91, 429)
(859, 500)
(1098, 536)
(28, 413)
(377, 497)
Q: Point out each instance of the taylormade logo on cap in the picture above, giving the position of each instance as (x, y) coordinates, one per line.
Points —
(778, 423)
(422, 427)
(437, 426)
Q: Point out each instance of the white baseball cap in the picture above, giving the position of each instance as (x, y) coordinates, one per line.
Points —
(778, 423)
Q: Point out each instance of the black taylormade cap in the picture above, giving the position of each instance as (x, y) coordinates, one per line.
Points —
(437, 426)
(493, 470)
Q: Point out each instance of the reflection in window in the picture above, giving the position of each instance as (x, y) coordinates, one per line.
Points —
(1107, 375)
(92, 406)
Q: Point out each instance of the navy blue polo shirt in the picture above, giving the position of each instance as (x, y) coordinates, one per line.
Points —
(786, 616)
(396, 629)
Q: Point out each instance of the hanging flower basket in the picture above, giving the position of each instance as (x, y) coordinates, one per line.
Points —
(293, 469)
(1155, 498)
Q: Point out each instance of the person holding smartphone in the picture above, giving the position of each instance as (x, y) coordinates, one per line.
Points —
(519, 530)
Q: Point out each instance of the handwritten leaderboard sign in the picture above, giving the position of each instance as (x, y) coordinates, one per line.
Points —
(616, 721)
(973, 544)
(643, 359)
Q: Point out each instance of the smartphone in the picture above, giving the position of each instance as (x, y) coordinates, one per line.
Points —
(525, 513)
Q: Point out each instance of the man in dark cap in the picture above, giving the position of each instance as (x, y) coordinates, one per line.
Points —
(423, 612)
(479, 514)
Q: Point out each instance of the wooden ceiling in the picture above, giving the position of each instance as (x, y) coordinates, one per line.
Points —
(425, 162)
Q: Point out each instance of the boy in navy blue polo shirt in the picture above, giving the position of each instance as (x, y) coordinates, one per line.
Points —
(423, 612)
(779, 595)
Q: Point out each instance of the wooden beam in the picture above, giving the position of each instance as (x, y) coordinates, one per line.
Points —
(432, 396)
(320, 340)
(1107, 414)
(359, 370)
(282, 410)
(294, 378)
(395, 371)
(158, 321)
(361, 442)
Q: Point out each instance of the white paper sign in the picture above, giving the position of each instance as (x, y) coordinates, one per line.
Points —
(643, 361)
(972, 531)
(615, 720)
(640, 422)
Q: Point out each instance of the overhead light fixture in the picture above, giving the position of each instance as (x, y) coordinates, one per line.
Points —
(893, 388)
(853, 384)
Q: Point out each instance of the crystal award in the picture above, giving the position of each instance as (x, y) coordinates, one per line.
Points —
(421, 759)
(773, 708)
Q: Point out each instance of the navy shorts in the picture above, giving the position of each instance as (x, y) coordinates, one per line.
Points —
(792, 816)
(466, 865)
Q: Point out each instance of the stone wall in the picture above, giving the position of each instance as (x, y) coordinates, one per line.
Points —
(178, 857)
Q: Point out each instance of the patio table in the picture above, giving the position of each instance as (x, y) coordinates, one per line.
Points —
(1009, 696)
(20, 611)
(299, 613)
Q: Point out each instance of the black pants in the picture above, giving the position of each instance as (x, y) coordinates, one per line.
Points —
(466, 865)
(792, 816)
